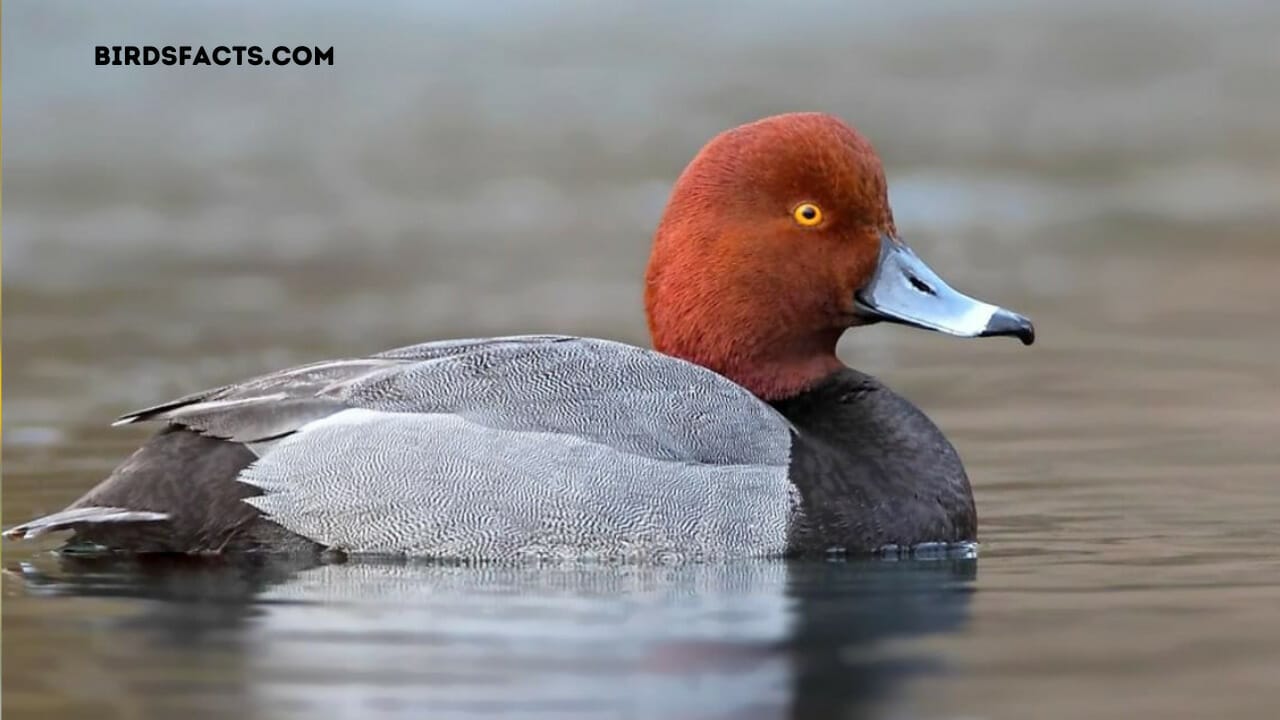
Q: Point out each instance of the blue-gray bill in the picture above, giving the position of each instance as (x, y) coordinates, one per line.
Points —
(905, 290)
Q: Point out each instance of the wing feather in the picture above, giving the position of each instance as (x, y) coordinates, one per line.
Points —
(506, 447)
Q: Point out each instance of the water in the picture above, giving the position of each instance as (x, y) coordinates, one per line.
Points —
(744, 639)
(1107, 170)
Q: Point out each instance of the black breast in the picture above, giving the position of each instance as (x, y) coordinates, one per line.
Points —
(872, 470)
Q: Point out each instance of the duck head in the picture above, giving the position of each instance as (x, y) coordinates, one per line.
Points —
(776, 239)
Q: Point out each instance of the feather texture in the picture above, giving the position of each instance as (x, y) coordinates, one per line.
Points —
(509, 447)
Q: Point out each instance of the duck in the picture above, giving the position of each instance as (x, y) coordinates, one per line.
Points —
(739, 434)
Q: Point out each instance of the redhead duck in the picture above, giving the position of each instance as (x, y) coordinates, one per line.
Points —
(740, 434)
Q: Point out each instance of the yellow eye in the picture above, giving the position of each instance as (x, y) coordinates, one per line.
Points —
(807, 214)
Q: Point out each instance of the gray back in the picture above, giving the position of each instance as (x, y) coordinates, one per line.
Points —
(536, 446)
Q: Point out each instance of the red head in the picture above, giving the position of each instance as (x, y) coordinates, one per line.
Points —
(769, 236)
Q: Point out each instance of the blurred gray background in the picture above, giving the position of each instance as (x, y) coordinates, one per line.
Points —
(463, 169)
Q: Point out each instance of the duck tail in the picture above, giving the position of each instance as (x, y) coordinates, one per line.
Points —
(74, 518)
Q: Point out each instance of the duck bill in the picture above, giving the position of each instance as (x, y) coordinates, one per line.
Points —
(905, 290)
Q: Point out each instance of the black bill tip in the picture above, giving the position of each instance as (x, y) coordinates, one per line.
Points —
(1003, 322)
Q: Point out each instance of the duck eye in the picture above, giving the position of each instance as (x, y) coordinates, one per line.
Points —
(807, 214)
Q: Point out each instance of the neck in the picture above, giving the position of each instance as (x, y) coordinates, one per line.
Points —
(774, 370)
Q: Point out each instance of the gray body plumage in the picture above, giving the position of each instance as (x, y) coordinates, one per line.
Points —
(534, 446)
(443, 485)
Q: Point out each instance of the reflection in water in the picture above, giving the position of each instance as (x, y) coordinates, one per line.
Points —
(266, 637)
(845, 612)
